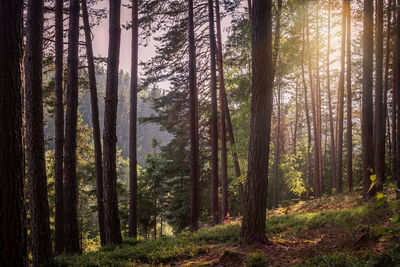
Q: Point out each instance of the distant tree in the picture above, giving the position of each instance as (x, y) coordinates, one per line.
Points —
(59, 125)
(95, 121)
(222, 117)
(278, 118)
(112, 222)
(367, 104)
(133, 124)
(349, 132)
(12, 218)
(340, 112)
(254, 216)
(213, 119)
(379, 131)
(328, 84)
(71, 238)
(194, 124)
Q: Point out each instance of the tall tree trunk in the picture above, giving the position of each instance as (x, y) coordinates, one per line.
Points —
(397, 99)
(132, 124)
(303, 74)
(296, 118)
(386, 123)
(214, 119)
(275, 62)
(222, 107)
(71, 235)
(349, 132)
(339, 172)
(111, 219)
(95, 122)
(12, 219)
(194, 131)
(36, 164)
(317, 188)
(318, 100)
(328, 83)
(254, 217)
(367, 107)
(59, 129)
(379, 131)
(394, 106)
(277, 150)
(227, 114)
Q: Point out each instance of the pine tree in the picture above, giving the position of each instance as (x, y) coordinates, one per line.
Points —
(59, 125)
(132, 126)
(95, 121)
(36, 165)
(254, 217)
(111, 221)
(367, 107)
(12, 219)
(71, 238)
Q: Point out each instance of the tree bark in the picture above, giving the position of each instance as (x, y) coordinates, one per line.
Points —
(222, 112)
(386, 123)
(379, 131)
(214, 119)
(132, 124)
(194, 123)
(71, 234)
(12, 219)
(349, 132)
(339, 171)
(317, 188)
(308, 162)
(254, 217)
(367, 107)
(111, 219)
(59, 129)
(95, 121)
(397, 99)
(277, 150)
(36, 165)
(328, 82)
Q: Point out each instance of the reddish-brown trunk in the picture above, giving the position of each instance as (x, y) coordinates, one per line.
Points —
(254, 217)
(222, 108)
(214, 119)
(95, 122)
(367, 104)
(349, 132)
(194, 131)
(379, 130)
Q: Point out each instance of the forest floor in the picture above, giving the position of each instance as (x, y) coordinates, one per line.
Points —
(341, 230)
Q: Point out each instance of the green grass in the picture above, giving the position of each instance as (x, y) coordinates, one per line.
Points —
(190, 245)
(300, 221)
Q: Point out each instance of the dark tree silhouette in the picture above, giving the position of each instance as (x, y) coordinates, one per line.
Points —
(213, 119)
(112, 223)
(59, 129)
(71, 238)
(132, 124)
(349, 132)
(367, 107)
(12, 218)
(36, 165)
(95, 121)
(194, 123)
